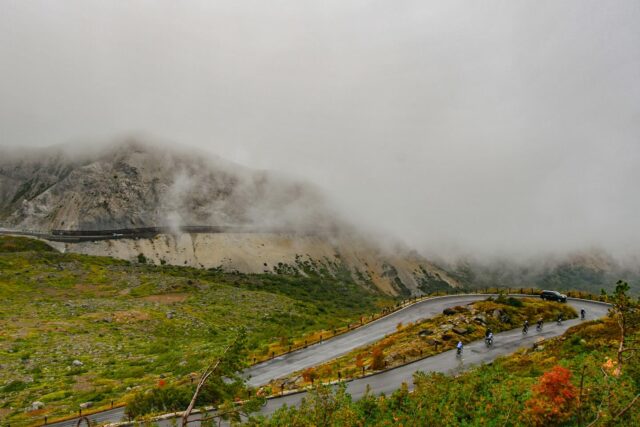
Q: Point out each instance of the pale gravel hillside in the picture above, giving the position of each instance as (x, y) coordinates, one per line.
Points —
(402, 273)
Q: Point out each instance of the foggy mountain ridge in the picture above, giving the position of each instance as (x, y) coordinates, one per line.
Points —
(590, 270)
(136, 184)
(286, 226)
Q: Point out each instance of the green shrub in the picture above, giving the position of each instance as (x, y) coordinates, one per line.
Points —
(15, 385)
(514, 302)
(161, 399)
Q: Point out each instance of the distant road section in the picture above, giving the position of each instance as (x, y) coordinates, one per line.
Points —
(75, 236)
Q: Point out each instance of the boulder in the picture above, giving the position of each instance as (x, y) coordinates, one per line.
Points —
(460, 331)
(449, 311)
(480, 319)
(86, 405)
(77, 363)
(446, 327)
(425, 332)
(37, 405)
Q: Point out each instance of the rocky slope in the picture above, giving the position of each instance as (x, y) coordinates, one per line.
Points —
(136, 185)
(288, 226)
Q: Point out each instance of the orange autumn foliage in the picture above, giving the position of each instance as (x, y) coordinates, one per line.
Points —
(377, 358)
(309, 375)
(360, 360)
(553, 398)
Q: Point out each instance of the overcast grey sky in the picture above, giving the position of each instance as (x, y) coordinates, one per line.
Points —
(494, 126)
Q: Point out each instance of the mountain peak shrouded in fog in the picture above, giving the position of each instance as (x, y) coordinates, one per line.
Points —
(135, 184)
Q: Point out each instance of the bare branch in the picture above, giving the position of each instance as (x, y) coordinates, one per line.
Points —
(206, 374)
(626, 408)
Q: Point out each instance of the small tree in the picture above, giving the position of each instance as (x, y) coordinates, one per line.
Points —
(221, 381)
(626, 312)
(377, 358)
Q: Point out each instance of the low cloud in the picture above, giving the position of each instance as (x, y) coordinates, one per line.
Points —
(493, 129)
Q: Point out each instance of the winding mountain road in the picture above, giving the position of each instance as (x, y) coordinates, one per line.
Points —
(474, 354)
(388, 381)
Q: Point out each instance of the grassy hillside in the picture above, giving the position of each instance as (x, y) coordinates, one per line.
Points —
(569, 381)
(76, 328)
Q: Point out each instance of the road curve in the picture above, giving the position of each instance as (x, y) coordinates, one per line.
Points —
(319, 353)
(475, 353)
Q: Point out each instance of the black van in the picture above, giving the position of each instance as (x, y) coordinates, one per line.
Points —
(553, 296)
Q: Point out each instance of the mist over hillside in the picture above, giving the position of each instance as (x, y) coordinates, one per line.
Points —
(245, 220)
(133, 184)
(590, 270)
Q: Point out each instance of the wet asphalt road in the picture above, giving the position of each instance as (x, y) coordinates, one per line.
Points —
(386, 382)
(474, 354)
(318, 353)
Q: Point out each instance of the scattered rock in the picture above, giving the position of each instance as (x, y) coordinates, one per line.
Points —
(77, 363)
(446, 327)
(460, 331)
(170, 314)
(86, 405)
(449, 311)
(538, 344)
(37, 405)
(481, 318)
(425, 332)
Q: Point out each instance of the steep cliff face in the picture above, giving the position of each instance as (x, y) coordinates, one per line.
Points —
(134, 185)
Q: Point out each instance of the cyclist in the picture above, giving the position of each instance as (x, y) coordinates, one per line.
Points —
(459, 348)
(525, 327)
(489, 339)
(539, 325)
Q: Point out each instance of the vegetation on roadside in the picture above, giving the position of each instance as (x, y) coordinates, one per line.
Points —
(575, 379)
(76, 329)
(428, 337)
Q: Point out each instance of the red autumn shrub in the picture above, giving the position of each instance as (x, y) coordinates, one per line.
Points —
(553, 399)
